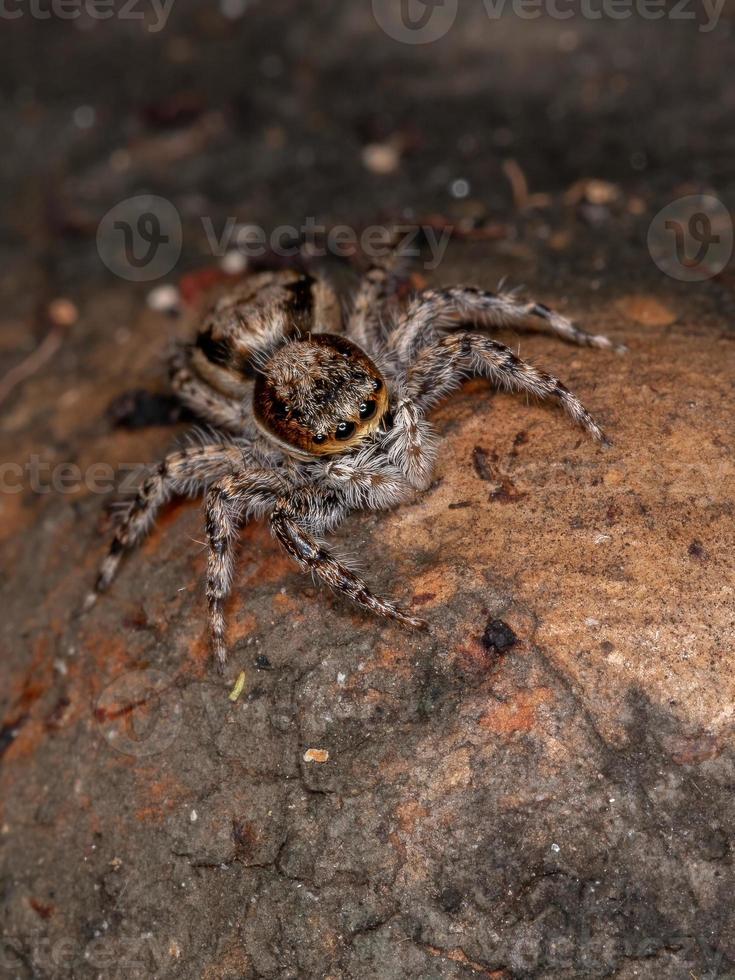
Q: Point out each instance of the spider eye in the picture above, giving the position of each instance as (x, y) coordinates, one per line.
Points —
(345, 430)
(367, 410)
(377, 384)
(281, 411)
(319, 440)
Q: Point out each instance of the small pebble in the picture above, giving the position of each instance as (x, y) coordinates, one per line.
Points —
(459, 189)
(84, 117)
(601, 192)
(498, 636)
(598, 193)
(164, 299)
(316, 755)
(233, 262)
(63, 312)
(381, 158)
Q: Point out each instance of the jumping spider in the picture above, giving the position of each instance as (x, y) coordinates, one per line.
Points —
(313, 418)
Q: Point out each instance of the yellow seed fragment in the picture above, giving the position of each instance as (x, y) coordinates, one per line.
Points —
(239, 687)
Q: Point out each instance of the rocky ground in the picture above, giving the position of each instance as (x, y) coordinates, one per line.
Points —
(542, 786)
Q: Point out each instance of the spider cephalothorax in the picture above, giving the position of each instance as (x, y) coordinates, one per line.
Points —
(319, 395)
(307, 427)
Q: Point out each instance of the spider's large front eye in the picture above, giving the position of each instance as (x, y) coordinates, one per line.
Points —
(345, 430)
(367, 409)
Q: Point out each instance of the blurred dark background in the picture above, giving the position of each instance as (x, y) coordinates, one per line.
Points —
(272, 111)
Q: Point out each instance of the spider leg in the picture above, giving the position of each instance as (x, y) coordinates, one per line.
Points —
(184, 472)
(327, 307)
(365, 324)
(411, 443)
(228, 502)
(291, 529)
(366, 480)
(441, 367)
(222, 411)
(435, 310)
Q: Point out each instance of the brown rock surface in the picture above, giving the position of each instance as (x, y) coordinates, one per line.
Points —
(481, 809)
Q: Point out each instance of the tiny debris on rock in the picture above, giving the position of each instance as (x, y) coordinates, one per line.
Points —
(498, 637)
(239, 687)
